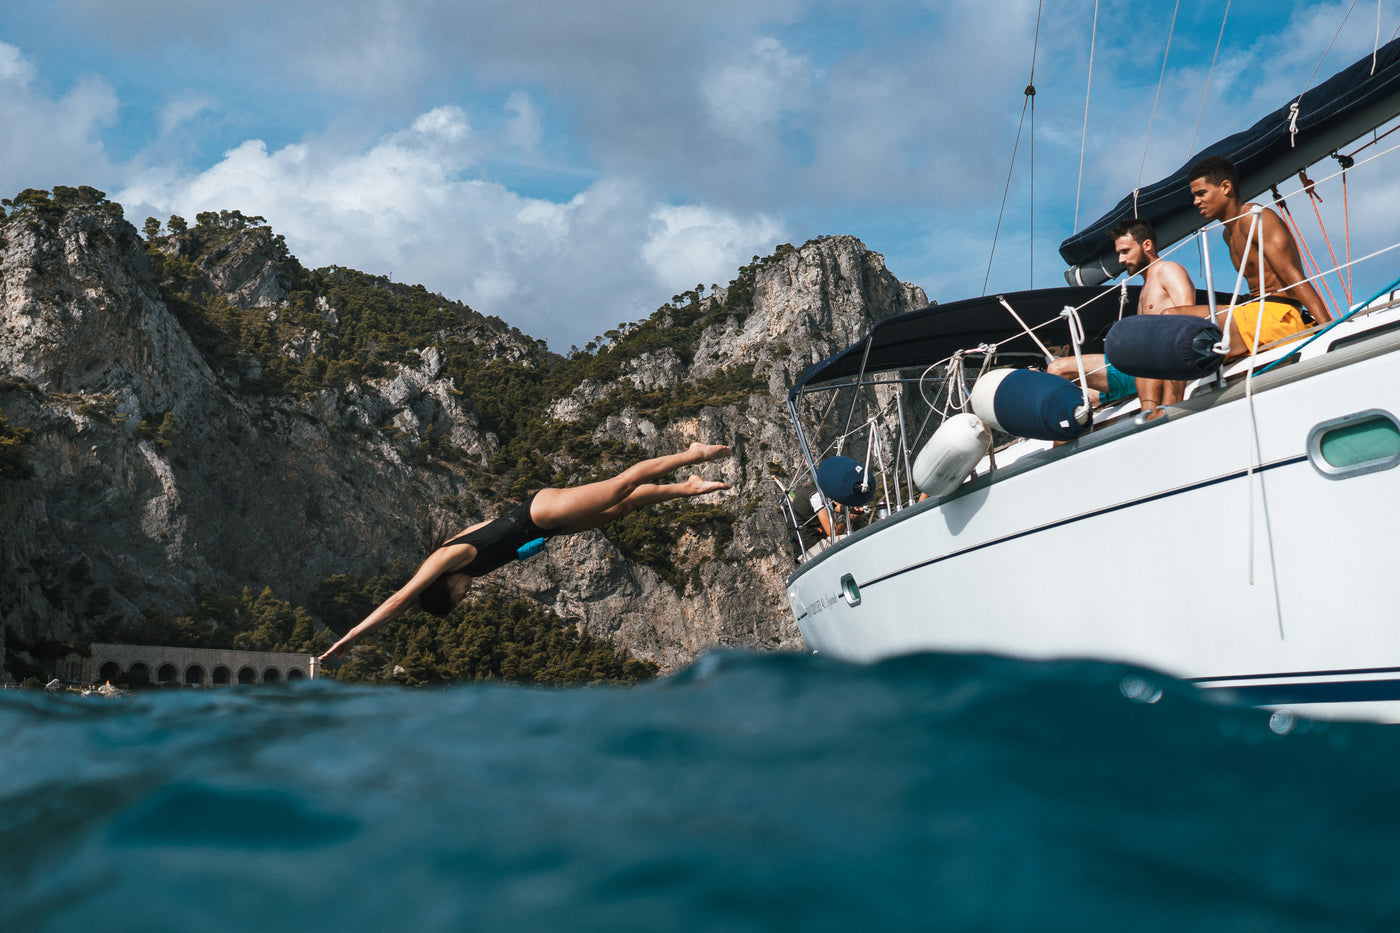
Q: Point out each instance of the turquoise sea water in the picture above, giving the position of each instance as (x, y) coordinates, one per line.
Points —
(750, 792)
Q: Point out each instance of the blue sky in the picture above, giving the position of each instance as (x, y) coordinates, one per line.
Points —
(570, 166)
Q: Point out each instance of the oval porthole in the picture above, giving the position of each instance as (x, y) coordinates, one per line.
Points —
(1364, 442)
(850, 589)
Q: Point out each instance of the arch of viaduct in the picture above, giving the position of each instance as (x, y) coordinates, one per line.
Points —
(202, 667)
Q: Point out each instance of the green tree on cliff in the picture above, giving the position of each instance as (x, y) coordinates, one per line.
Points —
(13, 462)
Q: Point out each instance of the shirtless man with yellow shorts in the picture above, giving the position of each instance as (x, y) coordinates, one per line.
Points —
(1282, 282)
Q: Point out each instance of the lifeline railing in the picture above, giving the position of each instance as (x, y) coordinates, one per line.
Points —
(896, 477)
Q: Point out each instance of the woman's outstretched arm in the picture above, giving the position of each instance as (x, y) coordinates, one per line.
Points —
(443, 560)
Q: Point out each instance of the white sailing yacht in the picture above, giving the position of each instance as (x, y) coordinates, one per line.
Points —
(1241, 542)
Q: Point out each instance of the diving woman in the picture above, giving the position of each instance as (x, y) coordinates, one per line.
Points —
(442, 581)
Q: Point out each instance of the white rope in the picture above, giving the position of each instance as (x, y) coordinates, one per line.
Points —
(870, 442)
(879, 462)
(1209, 75)
(1084, 140)
(1256, 215)
(953, 372)
(1201, 238)
(1030, 331)
(1076, 338)
(1293, 107)
(1375, 50)
(1171, 30)
(1249, 387)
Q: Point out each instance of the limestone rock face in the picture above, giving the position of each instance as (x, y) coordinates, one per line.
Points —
(246, 270)
(813, 301)
(155, 476)
(79, 313)
(808, 303)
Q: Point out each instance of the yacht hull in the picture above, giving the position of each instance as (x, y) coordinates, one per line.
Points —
(1181, 544)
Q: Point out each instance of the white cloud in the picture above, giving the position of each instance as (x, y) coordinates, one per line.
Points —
(14, 68)
(689, 244)
(180, 111)
(524, 126)
(748, 94)
(51, 140)
(409, 206)
(573, 164)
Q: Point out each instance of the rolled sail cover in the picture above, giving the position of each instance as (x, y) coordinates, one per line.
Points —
(1164, 346)
(1029, 403)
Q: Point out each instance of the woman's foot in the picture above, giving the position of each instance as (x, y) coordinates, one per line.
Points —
(697, 486)
(704, 453)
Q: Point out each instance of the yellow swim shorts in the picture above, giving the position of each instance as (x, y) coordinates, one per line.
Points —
(1281, 318)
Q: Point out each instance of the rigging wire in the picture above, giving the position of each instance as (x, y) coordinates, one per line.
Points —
(1028, 103)
(1011, 168)
(1171, 30)
(1329, 49)
(1310, 263)
(1084, 139)
(1376, 49)
(1210, 74)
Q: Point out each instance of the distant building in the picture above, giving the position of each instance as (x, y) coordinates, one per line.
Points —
(201, 667)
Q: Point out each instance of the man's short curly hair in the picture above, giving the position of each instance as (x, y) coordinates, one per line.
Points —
(1216, 170)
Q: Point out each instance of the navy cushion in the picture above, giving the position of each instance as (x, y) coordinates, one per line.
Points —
(1164, 346)
(1030, 403)
(841, 479)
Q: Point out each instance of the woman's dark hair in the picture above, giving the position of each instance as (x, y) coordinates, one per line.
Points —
(435, 597)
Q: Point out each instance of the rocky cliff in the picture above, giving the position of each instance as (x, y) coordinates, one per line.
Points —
(158, 470)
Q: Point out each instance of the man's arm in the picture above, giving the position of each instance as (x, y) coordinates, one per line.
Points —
(1281, 253)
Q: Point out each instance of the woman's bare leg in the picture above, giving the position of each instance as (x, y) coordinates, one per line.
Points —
(581, 507)
(643, 495)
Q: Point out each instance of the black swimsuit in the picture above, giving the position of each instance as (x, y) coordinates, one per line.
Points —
(499, 542)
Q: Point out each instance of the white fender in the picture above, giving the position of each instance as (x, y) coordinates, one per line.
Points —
(983, 397)
(952, 452)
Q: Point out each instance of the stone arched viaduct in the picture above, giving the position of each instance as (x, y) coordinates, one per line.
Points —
(203, 667)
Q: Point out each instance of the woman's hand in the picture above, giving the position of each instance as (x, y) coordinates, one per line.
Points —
(339, 648)
(443, 560)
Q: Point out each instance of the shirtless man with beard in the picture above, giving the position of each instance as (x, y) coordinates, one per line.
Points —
(1166, 285)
